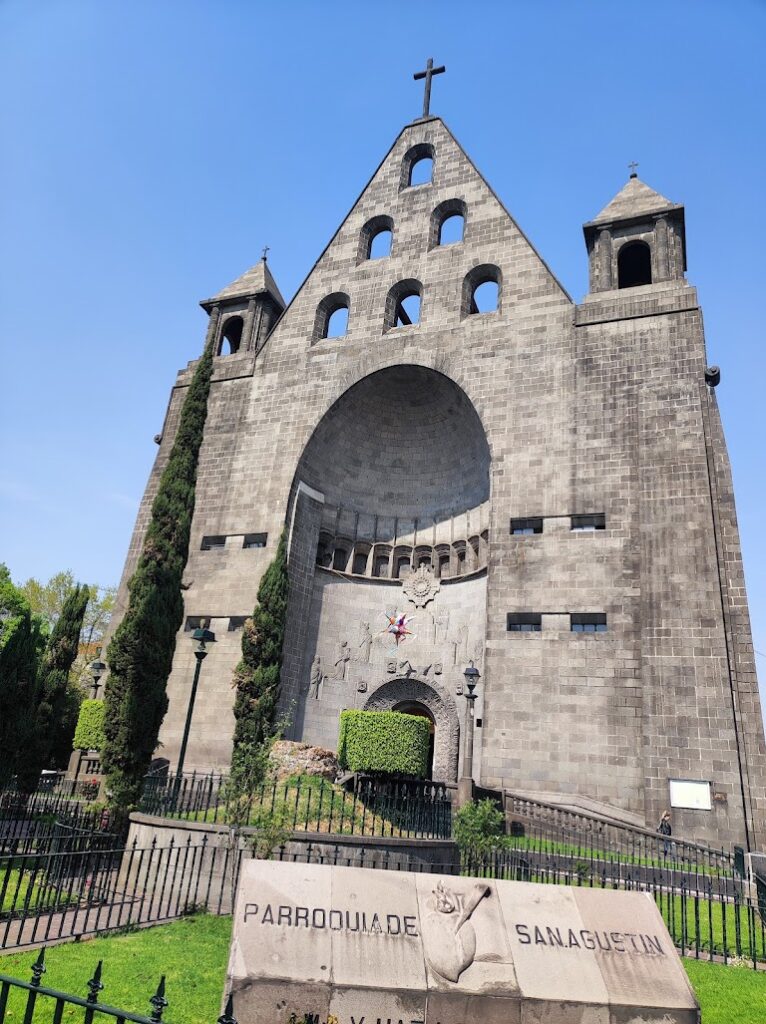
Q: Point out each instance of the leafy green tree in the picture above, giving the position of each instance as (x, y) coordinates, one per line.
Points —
(256, 678)
(22, 637)
(52, 691)
(479, 827)
(47, 600)
(140, 654)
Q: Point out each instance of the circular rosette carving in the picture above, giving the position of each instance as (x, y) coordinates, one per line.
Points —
(421, 587)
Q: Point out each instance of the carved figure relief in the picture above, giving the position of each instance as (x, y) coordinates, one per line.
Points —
(449, 940)
(316, 678)
(442, 625)
(365, 643)
(342, 656)
(421, 586)
(406, 669)
(361, 686)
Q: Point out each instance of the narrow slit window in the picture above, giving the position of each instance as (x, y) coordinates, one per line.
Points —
(237, 622)
(588, 622)
(213, 543)
(196, 622)
(589, 523)
(255, 540)
(524, 622)
(340, 559)
(525, 527)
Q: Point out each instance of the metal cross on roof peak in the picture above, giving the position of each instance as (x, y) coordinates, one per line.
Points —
(265, 252)
(428, 74)
(632, 167)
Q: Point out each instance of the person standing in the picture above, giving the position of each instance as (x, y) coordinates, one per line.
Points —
(665, 829)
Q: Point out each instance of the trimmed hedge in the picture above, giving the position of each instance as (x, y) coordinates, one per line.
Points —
(383, 741)
(89, 734)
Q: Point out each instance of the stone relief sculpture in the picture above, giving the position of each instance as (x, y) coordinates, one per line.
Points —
(421, 586)
(449, 940)
(442, 625)
(315, 678)
(406, 669)
(342, 656)
(365, 643)
(361, 686)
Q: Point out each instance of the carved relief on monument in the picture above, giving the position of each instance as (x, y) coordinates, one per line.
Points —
(315, 679)
(342, 656)
(449, 940)
(421, 586)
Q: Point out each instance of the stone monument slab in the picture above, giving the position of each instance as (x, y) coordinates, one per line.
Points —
(389, 947)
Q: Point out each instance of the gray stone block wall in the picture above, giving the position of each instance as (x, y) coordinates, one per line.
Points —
(591, 408)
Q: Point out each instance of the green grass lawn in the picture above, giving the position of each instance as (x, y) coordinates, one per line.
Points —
(727, 995)
(28, 892)
(193, 953)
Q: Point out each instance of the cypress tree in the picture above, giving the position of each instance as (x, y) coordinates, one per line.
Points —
(256, 677)
(21, 642)
(53, 695)
(140, 655)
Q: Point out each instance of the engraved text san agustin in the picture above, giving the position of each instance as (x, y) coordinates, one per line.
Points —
(405, 925)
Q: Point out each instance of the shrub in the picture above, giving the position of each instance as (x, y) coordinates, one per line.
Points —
(89, 734)
(479, 826)
(383, 741)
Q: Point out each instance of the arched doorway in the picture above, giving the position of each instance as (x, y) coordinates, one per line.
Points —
(433, 701)
(414, 707)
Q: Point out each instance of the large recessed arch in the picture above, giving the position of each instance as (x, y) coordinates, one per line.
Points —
(402, 442)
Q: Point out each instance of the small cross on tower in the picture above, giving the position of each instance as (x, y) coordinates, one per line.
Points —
(632, 167)
(265, 252)
(428, 74)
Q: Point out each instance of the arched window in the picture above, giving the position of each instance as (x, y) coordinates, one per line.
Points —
(361, 555)
(332, 316)
(231, 333)
(447, 223)
(634, 265)
(381, 562)
(418, 165)
(376, 239)
(403, 304)
(481, 290)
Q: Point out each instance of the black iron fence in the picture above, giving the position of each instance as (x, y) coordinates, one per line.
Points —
(31, 1001)
(40, 821)
(372, 807)
(559, 839)
(47, 898)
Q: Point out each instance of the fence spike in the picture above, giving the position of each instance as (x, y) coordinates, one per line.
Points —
(38, 968)
(227, 1017)
(94, 985)
(158, 1001)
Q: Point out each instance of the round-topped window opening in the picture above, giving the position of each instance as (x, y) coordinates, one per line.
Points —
(634, 265)
(403, 443)
(418, 165)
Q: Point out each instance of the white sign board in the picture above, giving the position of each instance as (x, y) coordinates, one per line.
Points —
(694, 796)
(368, 946)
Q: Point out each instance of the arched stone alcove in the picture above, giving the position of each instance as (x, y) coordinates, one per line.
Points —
(443, 709)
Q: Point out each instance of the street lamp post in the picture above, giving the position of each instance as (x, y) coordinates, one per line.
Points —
(201, 637)
(465, 785)
(97, 669)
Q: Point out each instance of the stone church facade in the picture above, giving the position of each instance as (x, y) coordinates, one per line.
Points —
(542, 487)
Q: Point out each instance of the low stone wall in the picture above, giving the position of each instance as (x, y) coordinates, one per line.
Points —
(190, 875)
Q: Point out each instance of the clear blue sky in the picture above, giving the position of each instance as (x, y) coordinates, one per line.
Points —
(151, 149)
